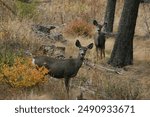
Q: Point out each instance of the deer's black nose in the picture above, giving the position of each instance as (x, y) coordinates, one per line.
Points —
(82, 54)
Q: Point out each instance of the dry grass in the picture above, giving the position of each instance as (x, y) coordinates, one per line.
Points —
(79, 27)
(142, 50)
(95, 84)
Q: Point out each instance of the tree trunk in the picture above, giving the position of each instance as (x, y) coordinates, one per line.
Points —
(109, 16)
(122, 53)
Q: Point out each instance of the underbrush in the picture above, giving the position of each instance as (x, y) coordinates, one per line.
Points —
(102, 85)
(16, 70)
(26, 10)
(120, 89)
(21, 74)
(79, 27)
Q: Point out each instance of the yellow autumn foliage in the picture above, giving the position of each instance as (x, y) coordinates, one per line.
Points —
(22, 73)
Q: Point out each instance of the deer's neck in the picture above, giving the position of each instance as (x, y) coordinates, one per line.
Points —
(79, 61)
(80, 58)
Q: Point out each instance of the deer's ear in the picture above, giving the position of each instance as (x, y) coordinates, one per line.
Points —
(90, 46)
(95, 22)
(78, 43)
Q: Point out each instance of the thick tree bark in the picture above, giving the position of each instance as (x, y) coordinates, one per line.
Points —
(122, 53)
(109, 15)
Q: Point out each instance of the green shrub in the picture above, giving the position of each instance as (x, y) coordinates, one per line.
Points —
(26, 9)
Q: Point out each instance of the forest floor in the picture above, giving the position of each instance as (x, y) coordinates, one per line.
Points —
(99, 81)
(94, 83)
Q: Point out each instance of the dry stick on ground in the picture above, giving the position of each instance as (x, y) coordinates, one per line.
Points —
(10, 9)
(99, 67)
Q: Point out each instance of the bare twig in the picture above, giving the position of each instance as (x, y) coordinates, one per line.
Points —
(100, 67)
(10, 9)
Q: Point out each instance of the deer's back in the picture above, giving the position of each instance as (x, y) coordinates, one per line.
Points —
(59, 68)
(43, 60)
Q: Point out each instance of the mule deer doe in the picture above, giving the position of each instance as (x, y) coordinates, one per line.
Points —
(63, 68)
(99, 39)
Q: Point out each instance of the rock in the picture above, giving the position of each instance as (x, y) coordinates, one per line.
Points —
(47, 31)
(43, 29)
(53, 51)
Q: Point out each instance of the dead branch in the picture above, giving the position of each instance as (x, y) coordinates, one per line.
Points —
(10, 9)
(100, 67)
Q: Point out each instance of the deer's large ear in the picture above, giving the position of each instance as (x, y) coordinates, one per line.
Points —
(95, 22)
(90, 46)
(78, 43)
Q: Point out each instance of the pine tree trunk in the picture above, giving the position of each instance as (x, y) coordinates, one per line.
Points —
(109, 16)
(122, 53)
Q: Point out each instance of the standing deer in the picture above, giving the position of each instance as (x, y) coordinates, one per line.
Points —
(63, 68)
(99, 39)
